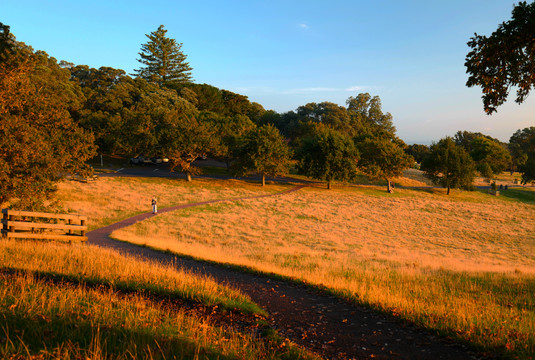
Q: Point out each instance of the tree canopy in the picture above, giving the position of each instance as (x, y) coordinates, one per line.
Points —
(383, 157)
(449, 165)
(163, 61)
(328, 155)
(418, 152)
(39, 141)
(505, 59)
(262, 151)
(522, 147)
(491, 157)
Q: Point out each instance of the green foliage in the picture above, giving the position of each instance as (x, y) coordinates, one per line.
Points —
(163, 61)
(184, 136)
(263, 151)
(449, 165)
(229, 130)
(328, 155)
(219, 101)
(466, 138)
(110, 96)
(505, 59)
(327, 113)
(490, 156)
(39, 140)
(383, 157)
(367, 115)
(522, 147)
(6, 41)
(418, 152)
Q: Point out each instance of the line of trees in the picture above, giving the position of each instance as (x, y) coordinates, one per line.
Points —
(454, 161)
(56, 116)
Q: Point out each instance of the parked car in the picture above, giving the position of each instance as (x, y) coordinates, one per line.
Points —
(141, 160)
(138, 160)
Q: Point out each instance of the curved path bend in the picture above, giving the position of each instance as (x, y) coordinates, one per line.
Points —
(327, 325)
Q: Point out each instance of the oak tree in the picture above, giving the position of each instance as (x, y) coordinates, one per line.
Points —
(383, 157)
(262, 151)
(367, 115)
(491, 157)
(328, 155)
(522, 147)
(39, 141)
(449, 165)
(505, 59)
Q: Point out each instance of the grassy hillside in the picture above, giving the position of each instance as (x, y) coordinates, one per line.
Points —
(461, 264)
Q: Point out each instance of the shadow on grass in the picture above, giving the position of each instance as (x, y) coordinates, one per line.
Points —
(81, 336)
(507, 290)
(185, 299)
(526, 196)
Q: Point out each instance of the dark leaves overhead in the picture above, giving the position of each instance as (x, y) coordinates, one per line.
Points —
(505, 59)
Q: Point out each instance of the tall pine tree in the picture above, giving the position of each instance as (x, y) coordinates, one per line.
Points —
(163, 61)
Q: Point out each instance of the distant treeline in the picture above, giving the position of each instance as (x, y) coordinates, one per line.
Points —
(56, 116)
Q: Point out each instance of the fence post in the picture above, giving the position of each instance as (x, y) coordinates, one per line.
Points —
(82, 222)
(11, 218)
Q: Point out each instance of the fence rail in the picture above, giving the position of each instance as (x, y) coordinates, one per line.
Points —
(43, 226)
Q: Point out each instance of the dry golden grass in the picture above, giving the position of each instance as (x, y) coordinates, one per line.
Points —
(435, 259)
(114, 198)
(413, 177)
(460, 232)
(84, 302)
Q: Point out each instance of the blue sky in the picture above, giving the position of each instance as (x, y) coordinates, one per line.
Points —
(283, 54)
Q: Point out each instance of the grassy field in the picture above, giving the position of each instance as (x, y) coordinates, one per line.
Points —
(83, 302)
(461, 264)
(111, 199)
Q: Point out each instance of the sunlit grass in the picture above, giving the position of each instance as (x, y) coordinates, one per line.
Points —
(72, 302)
(111, 199)
(433, 259)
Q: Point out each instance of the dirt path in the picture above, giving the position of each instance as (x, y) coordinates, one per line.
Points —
(324, 324)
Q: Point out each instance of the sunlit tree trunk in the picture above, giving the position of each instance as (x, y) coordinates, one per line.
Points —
(389, 186)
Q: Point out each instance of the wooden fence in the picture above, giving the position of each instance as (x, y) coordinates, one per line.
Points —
(43, 226)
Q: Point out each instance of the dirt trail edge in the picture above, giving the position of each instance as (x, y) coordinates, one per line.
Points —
(326, 325)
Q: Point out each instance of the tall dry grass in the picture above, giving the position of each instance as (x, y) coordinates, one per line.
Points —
(83, 302)
(436, 260)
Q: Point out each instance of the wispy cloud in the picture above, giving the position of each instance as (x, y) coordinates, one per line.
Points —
(356, 88)
(309, 90)
(303, 26)
(320, 89)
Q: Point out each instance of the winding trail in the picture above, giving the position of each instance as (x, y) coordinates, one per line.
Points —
(329, 326)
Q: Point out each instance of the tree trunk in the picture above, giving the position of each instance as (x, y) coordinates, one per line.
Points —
(263, 180)
(329, 184)
(389, 187)
(188, 176)
(448, 191)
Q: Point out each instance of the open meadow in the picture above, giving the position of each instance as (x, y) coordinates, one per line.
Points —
(111, 199)
(460, 264)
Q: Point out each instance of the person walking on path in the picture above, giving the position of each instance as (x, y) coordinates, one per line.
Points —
(154, 205)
